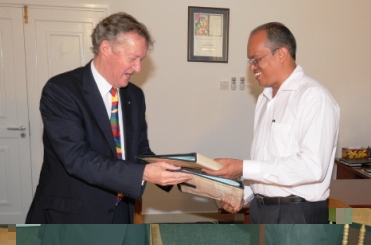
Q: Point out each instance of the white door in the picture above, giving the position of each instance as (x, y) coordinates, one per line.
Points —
(58, 40)
(15, 166)
(53, 40)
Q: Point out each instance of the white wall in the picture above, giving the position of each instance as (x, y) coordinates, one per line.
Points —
(187, 112)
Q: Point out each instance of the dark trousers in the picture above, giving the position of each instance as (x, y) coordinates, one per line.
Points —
(294, 213)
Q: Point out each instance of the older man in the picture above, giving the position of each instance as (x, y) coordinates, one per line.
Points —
(94, 127)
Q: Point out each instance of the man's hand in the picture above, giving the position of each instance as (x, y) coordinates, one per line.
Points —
(231, 207)
(158, 173)
(232, 168)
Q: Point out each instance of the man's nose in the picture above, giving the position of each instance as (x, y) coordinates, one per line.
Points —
(137, 66)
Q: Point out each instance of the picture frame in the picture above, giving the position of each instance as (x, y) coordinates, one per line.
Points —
(208, 34)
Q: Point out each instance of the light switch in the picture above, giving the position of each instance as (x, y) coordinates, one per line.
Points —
(233, 83)
(242, 83)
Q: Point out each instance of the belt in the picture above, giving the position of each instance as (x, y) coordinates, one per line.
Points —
(278, 200)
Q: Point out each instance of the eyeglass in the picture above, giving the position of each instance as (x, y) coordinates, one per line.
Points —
(255, 62)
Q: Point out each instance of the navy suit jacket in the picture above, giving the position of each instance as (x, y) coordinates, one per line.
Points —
(81, 174)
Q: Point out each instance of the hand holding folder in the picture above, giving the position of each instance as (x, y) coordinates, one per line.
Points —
(202, 184)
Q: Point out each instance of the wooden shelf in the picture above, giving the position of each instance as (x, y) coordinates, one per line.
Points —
(346, 172)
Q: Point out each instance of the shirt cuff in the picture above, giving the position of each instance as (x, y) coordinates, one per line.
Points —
(248, 194)
(250, 169)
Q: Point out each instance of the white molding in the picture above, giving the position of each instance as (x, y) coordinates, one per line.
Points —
(46, 5)
(26, 225)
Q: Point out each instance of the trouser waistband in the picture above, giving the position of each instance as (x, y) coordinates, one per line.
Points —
(292, 199)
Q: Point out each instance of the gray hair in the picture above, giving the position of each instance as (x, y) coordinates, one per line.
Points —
(115, 24)
(278, 35)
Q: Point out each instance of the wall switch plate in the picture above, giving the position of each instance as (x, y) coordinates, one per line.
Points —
(233, 84)
(224, 85)
(242, 83)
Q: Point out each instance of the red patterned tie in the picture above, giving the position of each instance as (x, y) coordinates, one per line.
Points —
(116, 131)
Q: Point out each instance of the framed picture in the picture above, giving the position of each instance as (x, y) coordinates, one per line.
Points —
(208, 32)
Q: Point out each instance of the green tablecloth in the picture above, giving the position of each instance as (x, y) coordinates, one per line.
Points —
(206, 234)
(199, 234)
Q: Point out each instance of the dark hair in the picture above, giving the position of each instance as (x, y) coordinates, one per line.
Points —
(115, 24)
(278, 35)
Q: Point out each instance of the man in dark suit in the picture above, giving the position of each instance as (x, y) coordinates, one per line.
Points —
(82, 173)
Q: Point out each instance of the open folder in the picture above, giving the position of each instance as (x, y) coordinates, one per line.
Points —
(187, 160)
(202, 184)
(214, 187)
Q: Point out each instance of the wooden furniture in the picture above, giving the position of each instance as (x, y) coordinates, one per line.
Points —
(7, 236)
(360, 216)
(155, 235)
(138, 219)
(336, 203)
(354, 192)
(346, 172)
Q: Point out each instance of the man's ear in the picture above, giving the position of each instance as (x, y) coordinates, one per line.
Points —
(283, 54)
(105, 47)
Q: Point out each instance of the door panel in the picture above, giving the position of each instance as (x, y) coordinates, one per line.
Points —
(15, 165)
(58, 40)
(55, 40)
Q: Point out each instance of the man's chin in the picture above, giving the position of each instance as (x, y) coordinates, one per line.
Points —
(124, 84)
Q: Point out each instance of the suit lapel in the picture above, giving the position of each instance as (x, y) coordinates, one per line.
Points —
(96, 104)
(126, 113)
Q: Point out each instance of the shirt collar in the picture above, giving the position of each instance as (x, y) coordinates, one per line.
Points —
(103, 86)
(291, 83)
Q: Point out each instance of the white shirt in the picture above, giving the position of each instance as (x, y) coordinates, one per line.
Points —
(104, 89)
(295, 139)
